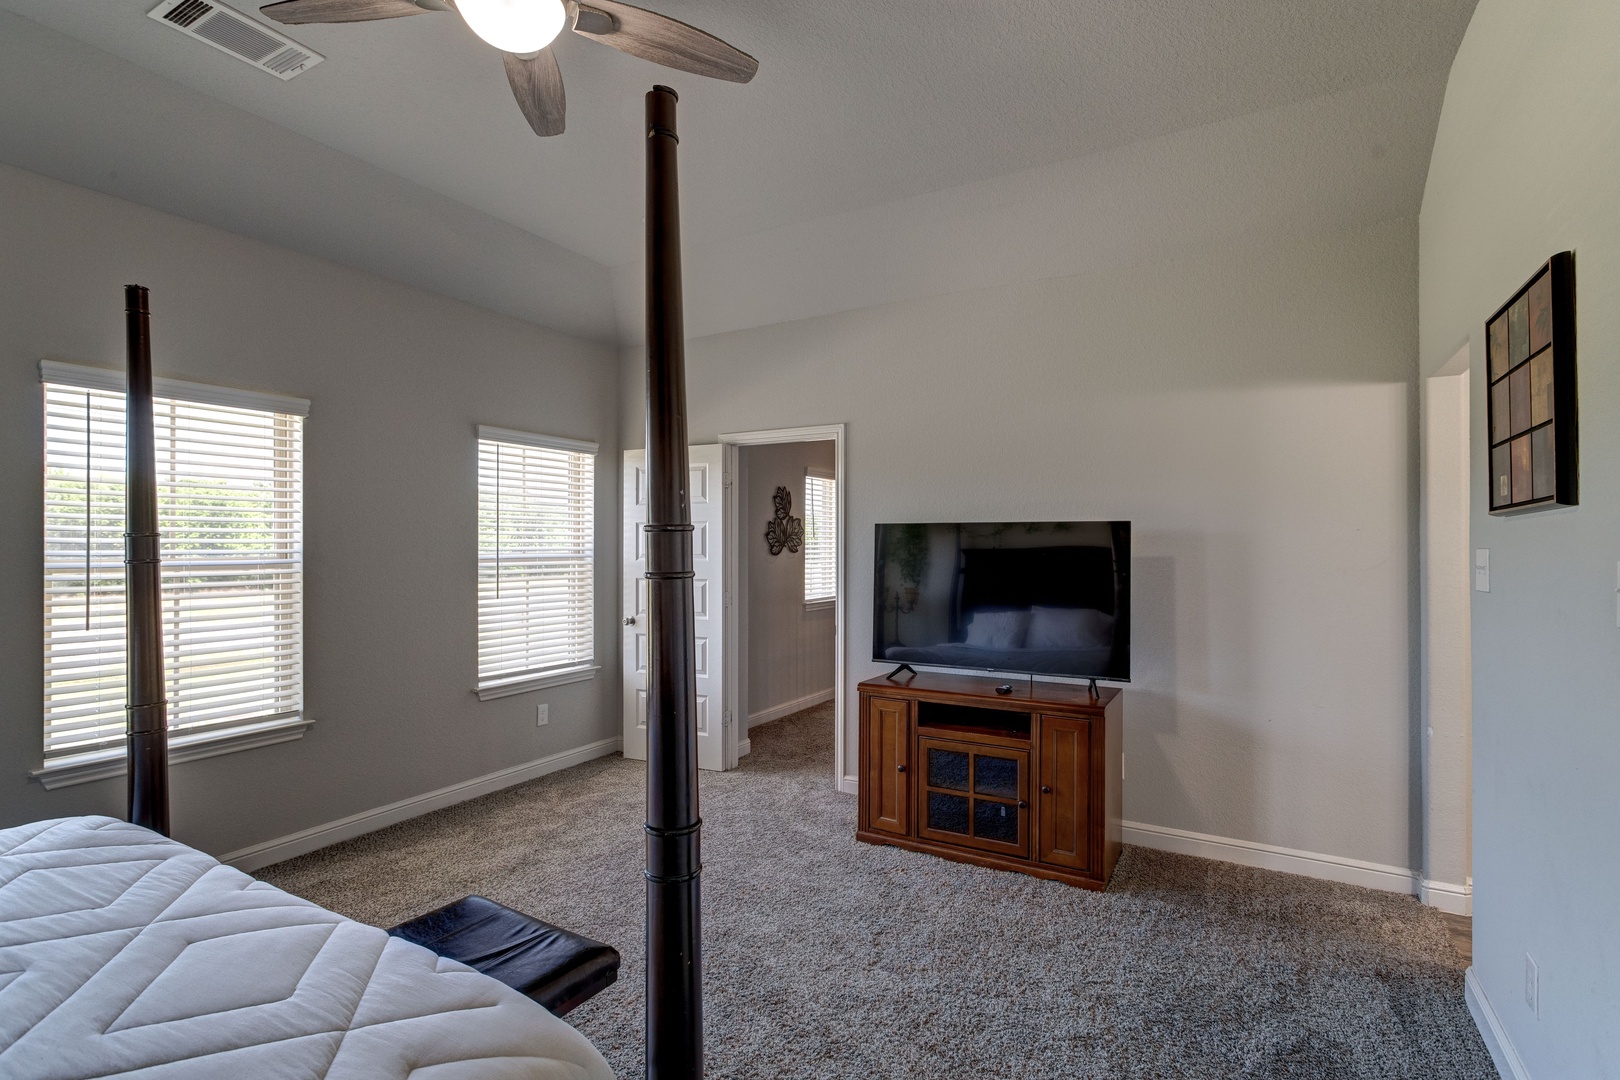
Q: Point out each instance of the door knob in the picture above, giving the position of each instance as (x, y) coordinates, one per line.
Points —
(629, 620)
(1045, 790)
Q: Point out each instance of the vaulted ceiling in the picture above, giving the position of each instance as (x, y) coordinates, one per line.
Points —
(877, 140)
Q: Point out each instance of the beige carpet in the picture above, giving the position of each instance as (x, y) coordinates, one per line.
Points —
(829, 958)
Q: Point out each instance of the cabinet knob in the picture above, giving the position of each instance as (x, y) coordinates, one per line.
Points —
(899, 768)
(1045, 790)
(1022, 805)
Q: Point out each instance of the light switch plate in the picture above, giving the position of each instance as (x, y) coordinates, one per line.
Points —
(542, 715)
(1482, 570)
(1532, 985)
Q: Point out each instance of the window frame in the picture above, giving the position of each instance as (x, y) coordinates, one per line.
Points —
(578, 670)
(106, 761)
(831, 557)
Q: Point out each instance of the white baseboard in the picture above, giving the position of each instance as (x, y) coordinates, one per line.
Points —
(251, 858)
(745, 747)
(1503, 1055)
(849, 786)
(788, 708)
(1269, 857)
(1454, 899)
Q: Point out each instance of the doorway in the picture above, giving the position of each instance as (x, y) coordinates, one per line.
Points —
(1447, 688)
(784, 557)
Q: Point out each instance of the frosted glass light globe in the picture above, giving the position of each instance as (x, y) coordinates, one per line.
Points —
(515, 26)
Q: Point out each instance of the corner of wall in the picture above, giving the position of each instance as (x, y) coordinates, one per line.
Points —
(1503, 1054)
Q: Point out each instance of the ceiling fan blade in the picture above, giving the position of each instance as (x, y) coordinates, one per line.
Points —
(300, 12)
(537, 85)
(663, 40)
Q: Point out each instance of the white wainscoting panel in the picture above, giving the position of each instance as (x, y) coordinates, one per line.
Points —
(788, 708)
(1269, 857)
(1448, 897)
(250, 858)
(1503, 1055)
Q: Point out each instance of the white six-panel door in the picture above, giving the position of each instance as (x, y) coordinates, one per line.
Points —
(707, 494)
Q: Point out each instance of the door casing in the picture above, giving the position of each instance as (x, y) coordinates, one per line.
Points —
(735, 533)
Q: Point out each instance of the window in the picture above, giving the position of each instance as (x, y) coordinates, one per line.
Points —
(536, 564)
(820, 537)
(230, 511)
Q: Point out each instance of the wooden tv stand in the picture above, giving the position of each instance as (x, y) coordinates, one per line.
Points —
(1026, 781)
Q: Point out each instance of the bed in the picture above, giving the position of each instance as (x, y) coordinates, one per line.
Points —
(122, 951)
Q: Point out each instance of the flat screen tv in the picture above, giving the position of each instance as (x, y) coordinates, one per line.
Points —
(1031, 597)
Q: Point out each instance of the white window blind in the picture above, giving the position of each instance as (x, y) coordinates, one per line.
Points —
(230, 511)
(820, 543)
(536, 561)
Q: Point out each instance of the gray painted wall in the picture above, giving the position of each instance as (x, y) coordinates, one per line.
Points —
(177, 149)
(1525, 165)
(398, 378)
(1251, 408)
(790, 648)
(1352, 157)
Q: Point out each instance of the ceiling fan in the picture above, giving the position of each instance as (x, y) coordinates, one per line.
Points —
(524, 31)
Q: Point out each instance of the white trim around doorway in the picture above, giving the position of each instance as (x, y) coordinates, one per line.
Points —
(1445, 602)
(730, 442)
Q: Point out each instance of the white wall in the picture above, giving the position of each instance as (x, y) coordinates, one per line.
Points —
(398, 378)
(1251, 408)
(790, 648)
(1525, 165)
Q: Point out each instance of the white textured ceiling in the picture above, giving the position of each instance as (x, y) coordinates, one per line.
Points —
(856, 106)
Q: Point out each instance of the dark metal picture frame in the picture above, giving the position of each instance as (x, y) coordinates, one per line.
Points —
(1531, 423)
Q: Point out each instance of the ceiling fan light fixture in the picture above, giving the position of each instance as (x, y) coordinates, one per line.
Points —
(522, 27)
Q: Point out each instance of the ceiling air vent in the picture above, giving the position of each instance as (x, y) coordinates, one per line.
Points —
(244, 38)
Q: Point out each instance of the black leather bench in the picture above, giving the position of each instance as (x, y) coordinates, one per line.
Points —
(555, 967)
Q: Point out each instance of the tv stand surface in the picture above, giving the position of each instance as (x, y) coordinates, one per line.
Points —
(1026, 781)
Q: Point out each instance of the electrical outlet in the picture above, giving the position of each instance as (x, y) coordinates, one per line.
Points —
(1532, 985)
(541, 716)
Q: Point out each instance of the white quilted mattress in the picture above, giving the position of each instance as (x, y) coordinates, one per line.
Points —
(123, 953)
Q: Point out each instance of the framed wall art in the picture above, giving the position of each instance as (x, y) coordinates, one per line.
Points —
(1530, 410)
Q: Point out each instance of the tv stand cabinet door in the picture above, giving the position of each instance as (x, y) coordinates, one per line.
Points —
(1064, 800)
(888, 759)
(974, 795)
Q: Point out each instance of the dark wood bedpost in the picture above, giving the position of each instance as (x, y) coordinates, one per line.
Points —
(146, 707)
(674, 960)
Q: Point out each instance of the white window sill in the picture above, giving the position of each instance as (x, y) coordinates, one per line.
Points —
(113, 761)
(523, 684)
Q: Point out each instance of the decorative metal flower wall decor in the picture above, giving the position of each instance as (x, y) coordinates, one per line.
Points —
(784, 530)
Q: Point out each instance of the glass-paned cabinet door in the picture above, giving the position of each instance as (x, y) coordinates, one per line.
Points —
(948, 768)
(974, 796)
(947, 813)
